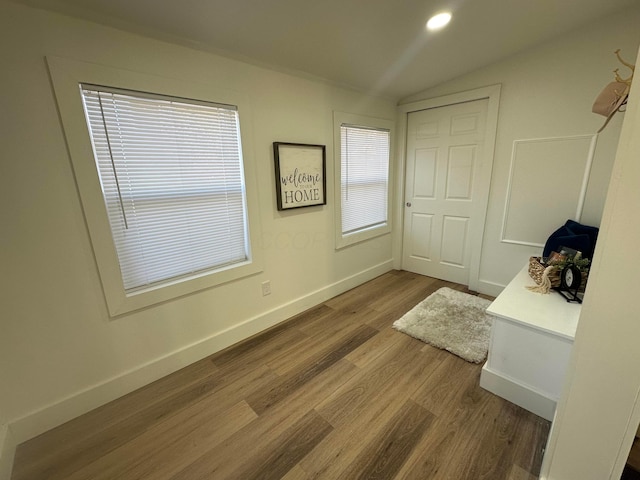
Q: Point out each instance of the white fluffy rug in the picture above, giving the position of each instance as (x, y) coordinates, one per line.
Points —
(450, 320)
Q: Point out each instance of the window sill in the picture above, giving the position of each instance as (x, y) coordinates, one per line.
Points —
(363, 235)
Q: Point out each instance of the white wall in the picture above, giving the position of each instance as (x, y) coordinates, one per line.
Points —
(60, 353)
(7, 448)
(548, 92)
(598, 412)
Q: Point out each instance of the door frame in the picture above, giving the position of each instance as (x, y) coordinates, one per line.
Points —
(492, 93)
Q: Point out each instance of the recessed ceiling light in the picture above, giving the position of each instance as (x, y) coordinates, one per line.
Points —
(438, 21)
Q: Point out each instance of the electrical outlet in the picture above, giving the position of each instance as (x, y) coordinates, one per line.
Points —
(266, 288)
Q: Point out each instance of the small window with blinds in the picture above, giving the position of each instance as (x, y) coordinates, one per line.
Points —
(172, 180)
(364, 178)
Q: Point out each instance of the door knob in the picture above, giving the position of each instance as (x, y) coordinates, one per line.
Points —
(408, 204)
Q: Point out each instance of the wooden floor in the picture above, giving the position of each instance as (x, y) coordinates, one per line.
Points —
(632, 469)
(335, 393)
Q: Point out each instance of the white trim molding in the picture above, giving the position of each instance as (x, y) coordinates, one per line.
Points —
(490, 288)
(66, 76)
(540, 186)
(516, 392)
(340, 119)
(57, 413)
(492, 93)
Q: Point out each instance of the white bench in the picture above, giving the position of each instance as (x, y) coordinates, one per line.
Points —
(531, 340)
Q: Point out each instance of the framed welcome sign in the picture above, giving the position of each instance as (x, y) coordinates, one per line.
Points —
(300, 175)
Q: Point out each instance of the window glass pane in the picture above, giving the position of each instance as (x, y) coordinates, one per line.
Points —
(172, 179)
(365, 177)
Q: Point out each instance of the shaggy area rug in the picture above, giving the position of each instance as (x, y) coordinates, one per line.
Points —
(450, 320)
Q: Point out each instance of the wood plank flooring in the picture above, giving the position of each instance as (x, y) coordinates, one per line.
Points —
(333, 393)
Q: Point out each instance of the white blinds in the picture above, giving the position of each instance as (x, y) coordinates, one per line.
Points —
(365, 177)
(172, 179)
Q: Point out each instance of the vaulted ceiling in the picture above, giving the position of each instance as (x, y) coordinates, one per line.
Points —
(377, 46)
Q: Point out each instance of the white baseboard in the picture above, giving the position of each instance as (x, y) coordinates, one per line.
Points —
(490, 288)
(51, 416)
(522, 395)
(7, 452)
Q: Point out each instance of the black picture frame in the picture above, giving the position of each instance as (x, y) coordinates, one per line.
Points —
(300, 174)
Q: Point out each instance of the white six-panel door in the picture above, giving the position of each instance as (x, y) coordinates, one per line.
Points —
(443, 159)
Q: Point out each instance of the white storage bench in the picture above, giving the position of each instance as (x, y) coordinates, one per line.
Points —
(531, 340)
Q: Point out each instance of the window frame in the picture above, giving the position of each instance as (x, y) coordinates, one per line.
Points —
(67, 76)
(354, 120)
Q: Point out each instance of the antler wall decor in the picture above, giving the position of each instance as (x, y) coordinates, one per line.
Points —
(626, 64)
(614, 96)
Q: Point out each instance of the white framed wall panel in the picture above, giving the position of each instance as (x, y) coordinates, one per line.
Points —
(547, 185)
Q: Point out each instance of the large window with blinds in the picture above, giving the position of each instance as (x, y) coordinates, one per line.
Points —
(172, 180)
(166, 177)
(364, 154)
